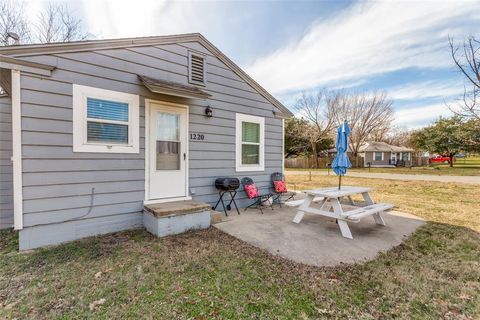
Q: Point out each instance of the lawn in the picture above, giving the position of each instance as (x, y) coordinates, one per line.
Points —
(462, 167)
(208, 274)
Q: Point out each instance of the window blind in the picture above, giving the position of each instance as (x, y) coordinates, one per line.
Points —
(107, 110)
(99, 114)
(250, 132)
(107, 132)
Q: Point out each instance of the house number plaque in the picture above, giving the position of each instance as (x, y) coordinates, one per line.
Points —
(197, 136)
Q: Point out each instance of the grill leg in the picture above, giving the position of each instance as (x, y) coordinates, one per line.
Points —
(233, 200)
(221, 200)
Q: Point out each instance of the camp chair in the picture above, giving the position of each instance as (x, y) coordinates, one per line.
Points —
(252, 193)
(280, 189)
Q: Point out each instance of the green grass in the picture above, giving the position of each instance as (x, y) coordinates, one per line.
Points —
(434, 274)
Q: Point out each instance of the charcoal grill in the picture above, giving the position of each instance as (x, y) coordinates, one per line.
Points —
(227, 185)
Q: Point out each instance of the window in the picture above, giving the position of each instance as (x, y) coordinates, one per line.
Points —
(378, 156)
(196, 68)
(250, 143)
(105, 121)
(406, 156)
(168, 141)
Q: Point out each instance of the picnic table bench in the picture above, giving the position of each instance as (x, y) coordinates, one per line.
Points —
(333, 197)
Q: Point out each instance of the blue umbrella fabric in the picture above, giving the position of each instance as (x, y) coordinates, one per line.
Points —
(341, 163)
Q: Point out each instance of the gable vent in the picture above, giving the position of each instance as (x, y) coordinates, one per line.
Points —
(197, 68)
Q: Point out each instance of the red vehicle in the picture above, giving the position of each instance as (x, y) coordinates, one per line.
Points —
(439, 159)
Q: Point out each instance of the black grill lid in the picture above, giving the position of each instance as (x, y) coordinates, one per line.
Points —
(227, 184)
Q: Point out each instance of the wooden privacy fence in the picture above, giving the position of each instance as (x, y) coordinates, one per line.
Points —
(309, 163)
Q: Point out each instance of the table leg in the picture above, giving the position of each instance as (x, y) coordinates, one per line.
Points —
(377, 217)
(366, 197)
(351, 200)
(305, 205)
(342, 224)
(344, 229)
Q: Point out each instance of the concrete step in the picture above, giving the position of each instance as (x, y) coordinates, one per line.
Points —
(169, 218)
(174, 208)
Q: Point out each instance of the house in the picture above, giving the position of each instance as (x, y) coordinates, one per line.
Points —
(381, 154)
(93, 131)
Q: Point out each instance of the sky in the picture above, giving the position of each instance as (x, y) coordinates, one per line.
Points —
(290, 47)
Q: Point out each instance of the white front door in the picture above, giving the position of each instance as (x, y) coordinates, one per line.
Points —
(167, 142)
(393, 158)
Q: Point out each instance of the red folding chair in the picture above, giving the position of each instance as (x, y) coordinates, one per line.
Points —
(252, 193)
(281, 194)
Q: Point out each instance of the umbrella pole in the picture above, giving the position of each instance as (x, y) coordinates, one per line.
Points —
(339, 181)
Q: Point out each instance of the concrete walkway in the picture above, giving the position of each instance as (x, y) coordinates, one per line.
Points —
(317, 240)
(398, 176)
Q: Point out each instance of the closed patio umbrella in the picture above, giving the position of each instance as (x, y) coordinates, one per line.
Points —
(341, 163)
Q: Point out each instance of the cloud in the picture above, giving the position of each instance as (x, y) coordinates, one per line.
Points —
(418, 116)
(114, 18)
(428, 89)
(365, 40)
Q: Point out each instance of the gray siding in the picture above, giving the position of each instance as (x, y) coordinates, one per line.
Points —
(58, 184)
(369, 157)
(6, 168)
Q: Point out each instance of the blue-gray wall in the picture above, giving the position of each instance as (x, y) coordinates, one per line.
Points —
(6, 169)
(57, 183)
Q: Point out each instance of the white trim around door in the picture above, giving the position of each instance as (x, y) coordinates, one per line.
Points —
(148, 109)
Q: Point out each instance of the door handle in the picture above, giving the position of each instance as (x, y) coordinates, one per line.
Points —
(184, 156)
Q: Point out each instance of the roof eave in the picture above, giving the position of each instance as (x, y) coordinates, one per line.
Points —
(11, 63)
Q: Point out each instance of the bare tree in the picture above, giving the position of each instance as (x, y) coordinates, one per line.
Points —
(368, 115)
(58, 24)
(12, 21)
(397, 136)
(317, 110)
(467, 59)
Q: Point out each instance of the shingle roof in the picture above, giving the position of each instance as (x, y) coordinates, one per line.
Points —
(382, 147)
(172, 88)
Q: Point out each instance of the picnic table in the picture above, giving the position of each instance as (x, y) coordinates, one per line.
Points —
(316, 200)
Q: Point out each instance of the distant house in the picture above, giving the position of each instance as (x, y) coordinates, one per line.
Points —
(381, 154)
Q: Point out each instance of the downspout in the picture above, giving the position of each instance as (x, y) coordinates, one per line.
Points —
(17, 151)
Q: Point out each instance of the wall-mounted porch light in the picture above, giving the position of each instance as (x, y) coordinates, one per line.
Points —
(208, 112)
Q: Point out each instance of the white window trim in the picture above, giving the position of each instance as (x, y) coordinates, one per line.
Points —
(374, 158)
(204, 57)
(80, 144)
(240, 117)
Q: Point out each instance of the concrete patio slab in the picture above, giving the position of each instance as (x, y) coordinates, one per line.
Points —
(317, 240)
